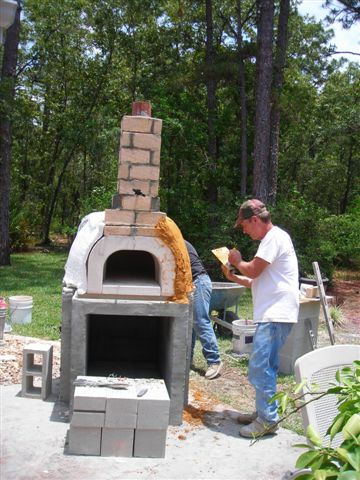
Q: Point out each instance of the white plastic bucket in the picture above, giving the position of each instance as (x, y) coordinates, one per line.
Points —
(243, 334)
(21, 308)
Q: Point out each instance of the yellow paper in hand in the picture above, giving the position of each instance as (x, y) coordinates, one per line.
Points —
(222, 254)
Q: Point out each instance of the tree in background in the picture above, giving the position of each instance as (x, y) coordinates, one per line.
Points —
(277, 85)
(264, 71)
(7, 93)
(271, 61)
(240, 20)
(83, 62)
(346, 11)
(211, 104)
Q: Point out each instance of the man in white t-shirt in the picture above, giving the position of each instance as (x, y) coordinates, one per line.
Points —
(273, 278)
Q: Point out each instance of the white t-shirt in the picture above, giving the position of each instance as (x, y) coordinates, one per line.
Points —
(276, 291)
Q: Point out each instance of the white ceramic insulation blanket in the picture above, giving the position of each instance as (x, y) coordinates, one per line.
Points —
(90, 230)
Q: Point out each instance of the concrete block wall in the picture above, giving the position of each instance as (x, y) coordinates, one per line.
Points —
(66, 315)
(175, 345)
(120, 422)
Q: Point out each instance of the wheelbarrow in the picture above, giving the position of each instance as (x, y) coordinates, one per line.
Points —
(225, 295)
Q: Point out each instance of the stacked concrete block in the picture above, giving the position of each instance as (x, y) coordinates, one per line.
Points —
(137, 201)
(152, 420)
(33, 370)
(84, 440)
(87, 420)
(124, 422)
(120, 422)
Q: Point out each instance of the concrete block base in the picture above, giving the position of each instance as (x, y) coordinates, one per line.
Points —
(150, 443)
(117, 442)
(174, 326)
(133, 422)
(84, 440)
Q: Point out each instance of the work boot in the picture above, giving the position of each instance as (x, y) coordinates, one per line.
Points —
(213, 370)
(246, 418)
(258, 428)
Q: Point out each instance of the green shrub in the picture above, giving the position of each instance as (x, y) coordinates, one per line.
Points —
(98, 200)
(331, 240)
(322, 460)
(21, 230)
(345, 234)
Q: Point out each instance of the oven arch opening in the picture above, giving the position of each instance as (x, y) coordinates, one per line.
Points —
(160, 283)
(131, 265)
(132, 272)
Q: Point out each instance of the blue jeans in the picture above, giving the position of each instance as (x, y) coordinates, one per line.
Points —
(264, 365)
(202, 326)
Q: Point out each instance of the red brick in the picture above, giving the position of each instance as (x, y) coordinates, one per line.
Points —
(145, 172)
(124, 170)
(136, 202)
(145, 140)
(149, 218)
(155, 157)
(128, 186)
(154, 188)
(119, 217)
(117, 230)
(134, 155)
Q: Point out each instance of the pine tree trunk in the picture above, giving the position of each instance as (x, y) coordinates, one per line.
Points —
(211, 103)
(7, 93)
(264, 66)
(243, 105)
(280, 58)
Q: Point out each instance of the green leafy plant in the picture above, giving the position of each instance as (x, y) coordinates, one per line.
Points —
(324, 461)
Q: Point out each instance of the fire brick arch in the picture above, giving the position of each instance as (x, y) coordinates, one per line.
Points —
(163, 257)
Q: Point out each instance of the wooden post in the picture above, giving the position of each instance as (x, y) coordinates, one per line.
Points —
(324, 304)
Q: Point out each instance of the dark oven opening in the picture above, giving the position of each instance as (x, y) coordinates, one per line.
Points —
(131, 266)
(131, 346)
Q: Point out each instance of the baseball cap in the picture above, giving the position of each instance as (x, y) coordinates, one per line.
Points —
(248, 209)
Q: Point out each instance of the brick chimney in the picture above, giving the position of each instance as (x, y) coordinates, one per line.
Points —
(136, 205)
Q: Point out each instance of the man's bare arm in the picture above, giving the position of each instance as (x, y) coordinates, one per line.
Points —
(251, 269)
(240, 279)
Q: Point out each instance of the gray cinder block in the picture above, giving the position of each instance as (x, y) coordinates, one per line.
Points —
(121, 408)
(87, 419)
(90, 398)
(84, 440)
(41, 370)
(117, 442)
(150, 443)
(154, 406)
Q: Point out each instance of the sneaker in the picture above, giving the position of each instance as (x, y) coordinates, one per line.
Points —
(246, 418)
(258, 428)
(213, 370)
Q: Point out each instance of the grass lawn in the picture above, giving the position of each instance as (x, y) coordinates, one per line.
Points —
(40, 276)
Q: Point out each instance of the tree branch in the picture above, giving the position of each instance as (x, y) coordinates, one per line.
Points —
(349, 53)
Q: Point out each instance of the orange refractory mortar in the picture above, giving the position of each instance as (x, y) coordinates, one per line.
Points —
(170, 234)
